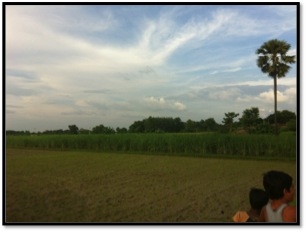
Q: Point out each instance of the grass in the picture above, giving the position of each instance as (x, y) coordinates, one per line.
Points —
(80, 186)
(202, 144)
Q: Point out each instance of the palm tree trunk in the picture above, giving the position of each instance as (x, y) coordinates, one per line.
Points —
(275, 104)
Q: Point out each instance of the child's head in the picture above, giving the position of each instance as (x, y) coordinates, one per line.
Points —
(278, 184)
(258, 198)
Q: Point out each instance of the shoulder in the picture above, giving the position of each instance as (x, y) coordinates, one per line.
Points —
(263, 215)
(241, 216)
(289, 214)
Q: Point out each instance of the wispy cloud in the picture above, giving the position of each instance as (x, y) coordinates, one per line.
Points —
(227, 70)
(127, 62)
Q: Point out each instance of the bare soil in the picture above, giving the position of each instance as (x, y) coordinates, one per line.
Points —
(56, 186)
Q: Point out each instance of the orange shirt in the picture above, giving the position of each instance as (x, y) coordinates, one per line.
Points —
(241, 216)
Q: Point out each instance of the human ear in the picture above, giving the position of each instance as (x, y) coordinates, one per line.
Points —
(286, 192)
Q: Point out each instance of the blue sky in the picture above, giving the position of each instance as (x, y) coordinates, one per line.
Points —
(113, 65)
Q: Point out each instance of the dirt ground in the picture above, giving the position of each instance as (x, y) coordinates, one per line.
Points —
(53, 186)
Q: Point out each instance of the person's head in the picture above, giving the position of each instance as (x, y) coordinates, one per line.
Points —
(278, 185)
(258, 198)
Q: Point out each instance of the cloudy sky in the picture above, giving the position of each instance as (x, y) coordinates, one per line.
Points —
(113, 65)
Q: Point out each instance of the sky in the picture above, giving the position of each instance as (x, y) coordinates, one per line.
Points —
(113, 65)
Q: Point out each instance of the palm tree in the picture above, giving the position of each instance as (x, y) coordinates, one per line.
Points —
(273, 60)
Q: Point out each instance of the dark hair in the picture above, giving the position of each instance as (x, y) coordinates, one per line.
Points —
(275, 182)
(258, 198)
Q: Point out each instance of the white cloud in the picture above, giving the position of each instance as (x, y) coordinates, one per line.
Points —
(225, 94)
(227, 70)
(179, 106)
(291, 92)
(162, 103)
(287, 95)
(161, 38)
(292, 52)
(287, 81)
(157, 101)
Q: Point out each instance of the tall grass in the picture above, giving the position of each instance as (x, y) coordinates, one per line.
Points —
(283, 145)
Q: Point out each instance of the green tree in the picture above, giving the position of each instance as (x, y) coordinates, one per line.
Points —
(228, 121)
(190, 126)
(73, 129)
(178, 125)
(273, 60)
(101, 129)
(291, 125)
(210, 124)
(137, 127)
(282, 117)
(121, 130)
(250, 119)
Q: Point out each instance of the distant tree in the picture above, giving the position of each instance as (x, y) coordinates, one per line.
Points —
(263, 127)
(157, 124)
(282, 117)
(73, 129)
(178, 125)
(137, 127)
(59, 132)
(12, 132)
(228, 120)
(250, 119)
(210, 125)
(84, 131)
(291, 125)
(190, 126)
(273, 60)
(121, 130)
(286, 116)
(150, 124)
(101, 129)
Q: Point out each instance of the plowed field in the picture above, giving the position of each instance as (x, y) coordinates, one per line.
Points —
(66, 186)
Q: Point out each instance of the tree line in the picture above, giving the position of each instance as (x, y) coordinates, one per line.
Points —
(249, 122)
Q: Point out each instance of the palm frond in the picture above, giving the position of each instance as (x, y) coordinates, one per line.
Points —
(273, 58)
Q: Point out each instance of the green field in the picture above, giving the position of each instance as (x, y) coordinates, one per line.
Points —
(83, 186)
(190, 144)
